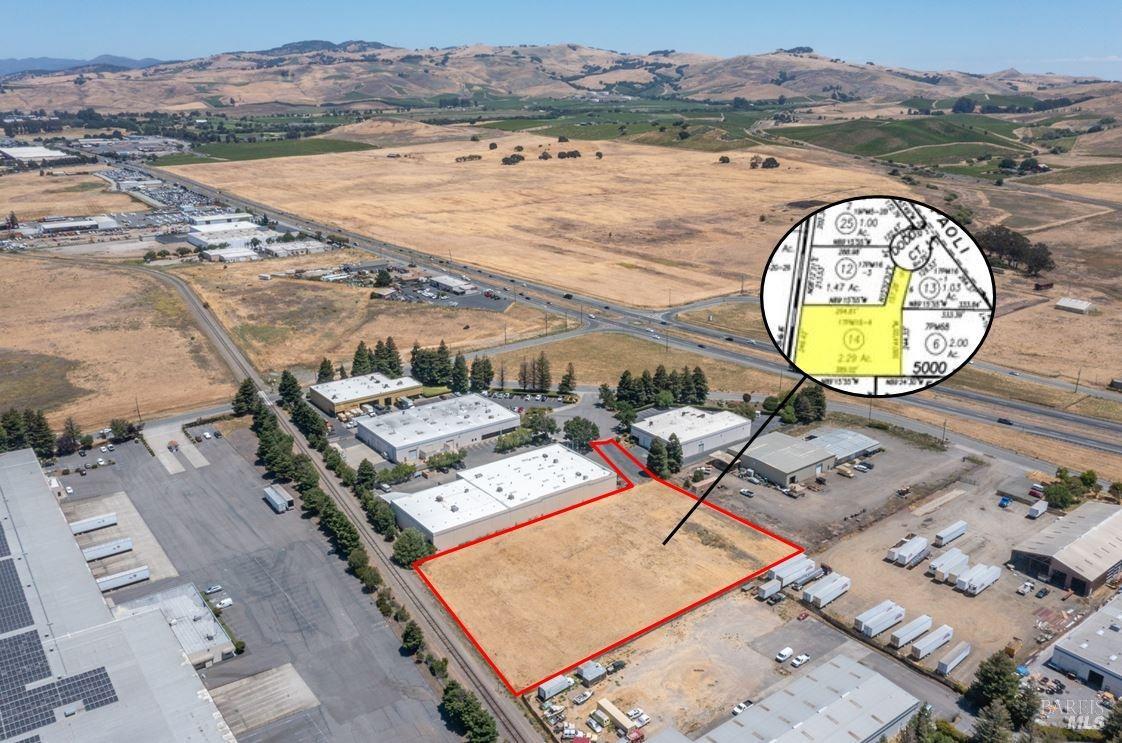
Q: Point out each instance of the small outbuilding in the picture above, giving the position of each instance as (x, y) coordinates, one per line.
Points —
(591, 672)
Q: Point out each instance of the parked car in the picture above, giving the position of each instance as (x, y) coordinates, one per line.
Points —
(746, 492)
(642, 720)
(69, 490)
(596, 727)
(82, 472)
(81, 452)
(800, 660)
(104, 449)
(217, 434)
(100, 462)
(635, 713)
(225, 603)
(1043, 592)
(212, 589)
(109, 447)
(206, 434)
(616, 665)
(803, 616)
(741, 707)
(783, 655)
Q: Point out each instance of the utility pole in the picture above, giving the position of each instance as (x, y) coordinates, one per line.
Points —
(1078, 377)
(944, 430)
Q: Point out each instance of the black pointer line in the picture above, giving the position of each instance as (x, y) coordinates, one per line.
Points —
(735, 459)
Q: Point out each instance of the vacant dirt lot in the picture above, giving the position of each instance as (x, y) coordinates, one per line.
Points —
(636, 226)
(742, 318)
(96, 343)
(391, 132)
(289, 323)
(32, 196)
(989, 620)
(545, 596)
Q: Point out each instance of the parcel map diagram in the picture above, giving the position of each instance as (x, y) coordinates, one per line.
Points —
(878, 296)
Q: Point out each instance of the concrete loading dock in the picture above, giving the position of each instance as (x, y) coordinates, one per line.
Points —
(457, 423)
(347, 394)
(698, 431)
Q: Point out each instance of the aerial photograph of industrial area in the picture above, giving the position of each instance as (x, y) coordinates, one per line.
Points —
(583, 373)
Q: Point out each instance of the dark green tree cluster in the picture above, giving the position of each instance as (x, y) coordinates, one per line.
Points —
(27, 429)
(539, 422)
(482, 373)
(309, 423)
(70, 440)
(924, 729)
(674, 453)
(460, 381)
(431, 366)
(122, 430)
(462, 708)
(289, 389)
(411, 546)
(326, 372)
(1015, 249)
(809, 404)
(384, 359)
(534, 374)
(1069, 488)
(683, 387)
(657, 460)
(246, 398)
(579, 432)
(568, 381)
(274, 447)
(445, 460)
(996, 685)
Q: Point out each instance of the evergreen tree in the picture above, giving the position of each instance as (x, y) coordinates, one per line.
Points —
(626, 390)
(625, 414)
(700, 386)
(460, 379)
(674, 453)
(362, 363)
(686, 391)
(69, 440)
(657, 459)
(569, 381)
(1024, 707)
(326, 372)
(393, 359)
(661, 379)
(607, 397)
(674, 384)
(995, 679)
(580, 431)
(382, 519)
(804, 413)
(646, 388)
(15, 429)
(409, 547)
(379, 357)
(412, 638)
(288, 388)
(543, 379)
(366, 476)
(481, 374)
(524, 375)
(993, 725)
(1112, 725)
(245, 399)
(39, 435)
(442, 364)
(341, 372)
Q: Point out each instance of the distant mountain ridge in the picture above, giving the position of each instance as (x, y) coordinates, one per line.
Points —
(364, 73)
(15, 65)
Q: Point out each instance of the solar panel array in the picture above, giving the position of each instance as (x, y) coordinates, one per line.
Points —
(14, 612)
(22, 662)
(4, 549)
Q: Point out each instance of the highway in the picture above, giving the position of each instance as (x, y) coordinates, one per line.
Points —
(595, 314)
(441, 636)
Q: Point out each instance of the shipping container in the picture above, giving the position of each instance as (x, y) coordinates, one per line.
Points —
(807, 569)
(277, 499)
(93, 523)
(820, 586)
(125, 578)
(107, 549)
(950, 573)
(910, 631)
(884, 621)
(983, 580)
(940, 562)
(951, 660)
(808, 578)
(554, 686)
(909, 550)
(860, 619)
(769, 589)
(932, 641)
(918, 558)
(950, 533)
(789, 566)
(1038, 509)
(965, 578)
(831, 592)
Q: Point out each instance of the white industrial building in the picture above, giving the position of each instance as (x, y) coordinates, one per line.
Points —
(1093, 650)
(409, 435)
(350, 392)
(783, 459)
(100, 222)
(1078, 306)
(222, 218)
(453, 284)
(229, 234)
(698, 431)
(499, 495)
(839, 700)
(278, 249)
(33, 153)
(229, 255)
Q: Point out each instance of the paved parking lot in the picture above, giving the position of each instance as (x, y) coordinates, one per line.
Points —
(293, 601)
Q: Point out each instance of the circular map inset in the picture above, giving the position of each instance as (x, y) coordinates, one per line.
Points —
(877, 296)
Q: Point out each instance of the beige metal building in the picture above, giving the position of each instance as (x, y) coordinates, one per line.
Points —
(1080, 551)
(783, 459)
(347, 394)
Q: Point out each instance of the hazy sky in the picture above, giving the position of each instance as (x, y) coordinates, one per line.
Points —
(1082, 38)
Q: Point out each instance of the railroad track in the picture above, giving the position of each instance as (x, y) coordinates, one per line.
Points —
(508, 724)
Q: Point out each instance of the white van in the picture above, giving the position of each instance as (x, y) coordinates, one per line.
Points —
(783, 655)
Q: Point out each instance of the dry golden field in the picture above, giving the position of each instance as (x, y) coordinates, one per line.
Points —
(287, 322)
(32, 196)
(96, 343)
(533, 623)
(643, 226)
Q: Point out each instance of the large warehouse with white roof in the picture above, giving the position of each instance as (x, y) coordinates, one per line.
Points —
(698, 431)
(409, 435)
(1080, 551)
(496, 496)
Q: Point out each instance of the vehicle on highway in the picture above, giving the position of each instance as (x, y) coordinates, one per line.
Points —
(1005, 421)
(212, 589)
(566, 296)
(784, 654)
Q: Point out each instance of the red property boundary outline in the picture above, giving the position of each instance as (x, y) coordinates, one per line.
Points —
(598, 447)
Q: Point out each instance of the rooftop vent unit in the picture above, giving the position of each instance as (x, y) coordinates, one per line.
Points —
(440, 499)
(455, 508)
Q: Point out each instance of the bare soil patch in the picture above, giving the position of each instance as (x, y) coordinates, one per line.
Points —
(32, 196)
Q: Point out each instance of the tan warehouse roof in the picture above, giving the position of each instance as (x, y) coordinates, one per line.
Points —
(1088, 541)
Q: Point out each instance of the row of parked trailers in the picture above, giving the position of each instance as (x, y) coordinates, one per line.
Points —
(888, 614)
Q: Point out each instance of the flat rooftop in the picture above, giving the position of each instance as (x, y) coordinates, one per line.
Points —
(443, 419)
(211, 228)
(191, 620)
(69, 671)
(786, 453)
(844, 443)
(481, 492)
(691, 423)
(238, 217)
(1098, 639)
(33, 152)
(451, 281)
(229, 254)
(362, 387)
(840, 700)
